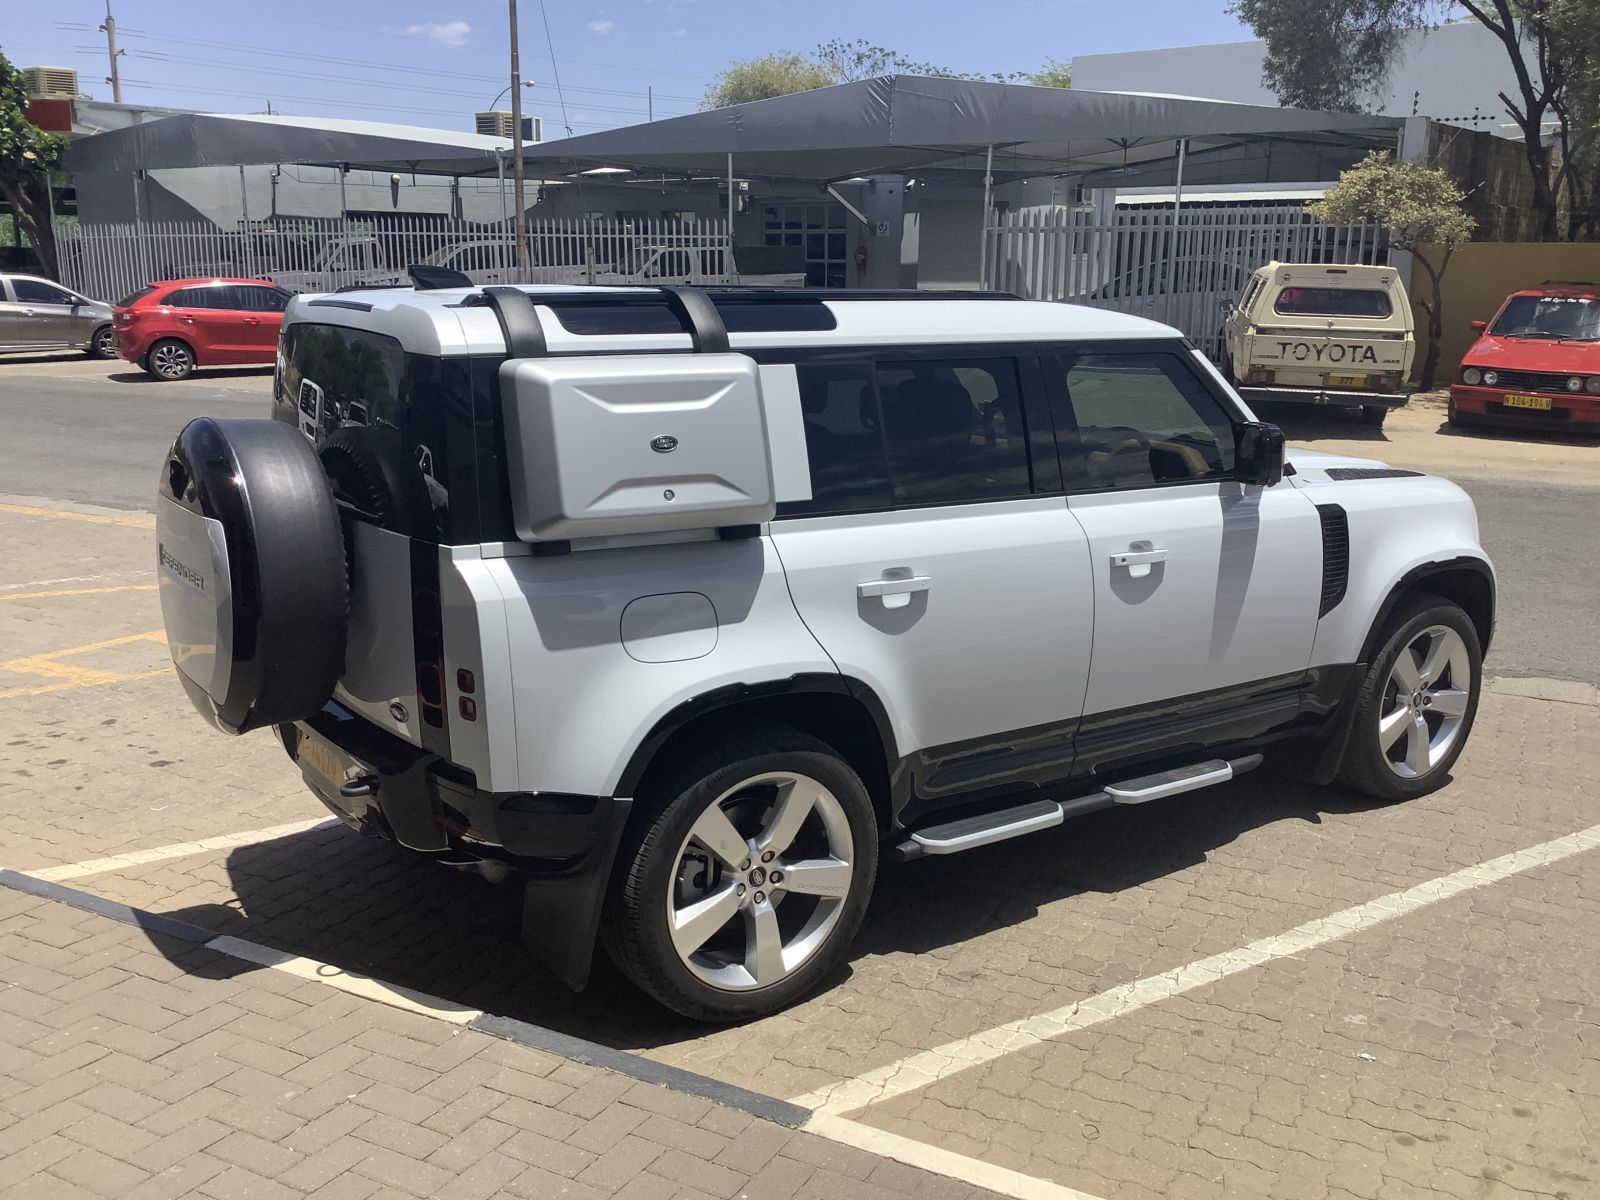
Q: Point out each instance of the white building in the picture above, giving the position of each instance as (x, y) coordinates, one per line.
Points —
(1452, 74)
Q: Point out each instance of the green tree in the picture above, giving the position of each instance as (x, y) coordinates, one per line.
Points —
(841, 61)
(763, 78)
(27, 156)
(1336, 53)
(1419, 206)
(1052, 74)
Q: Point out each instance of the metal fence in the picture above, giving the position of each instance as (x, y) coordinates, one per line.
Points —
(110, 261)
(1182, 269)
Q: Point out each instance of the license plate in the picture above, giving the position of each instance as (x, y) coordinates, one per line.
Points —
(1514, 400)
(322, 760)
(1346, 380)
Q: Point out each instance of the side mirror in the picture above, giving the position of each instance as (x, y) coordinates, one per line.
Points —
(1479, 326)
(1258, 453)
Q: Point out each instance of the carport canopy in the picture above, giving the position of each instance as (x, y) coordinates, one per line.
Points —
(900, 124)
(226, 140)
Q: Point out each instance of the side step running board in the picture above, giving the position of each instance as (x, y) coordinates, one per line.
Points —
(971, 832)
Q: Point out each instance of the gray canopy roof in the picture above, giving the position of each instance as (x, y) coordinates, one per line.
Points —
(222, 140)
(905, 123)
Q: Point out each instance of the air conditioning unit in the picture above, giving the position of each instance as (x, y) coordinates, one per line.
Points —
(498, 124)
(50, 83)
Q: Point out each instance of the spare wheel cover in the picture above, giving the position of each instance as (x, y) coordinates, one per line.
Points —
(251, 567)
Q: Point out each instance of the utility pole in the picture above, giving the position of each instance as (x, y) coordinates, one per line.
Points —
(110, 30)
(516, 151)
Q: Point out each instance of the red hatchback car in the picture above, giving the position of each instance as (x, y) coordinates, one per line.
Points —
(171, 328)
(1537, 364)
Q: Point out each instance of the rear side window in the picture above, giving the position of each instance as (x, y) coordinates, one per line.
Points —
(953, 430)
(261, 299)
(906, 433)
(210, 296)
(134, 297)
(1332, 302)
(1144, 419)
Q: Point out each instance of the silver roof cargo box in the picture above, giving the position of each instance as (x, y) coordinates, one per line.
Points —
(633, 444)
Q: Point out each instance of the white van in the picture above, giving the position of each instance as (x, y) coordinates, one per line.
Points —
(1318, 333)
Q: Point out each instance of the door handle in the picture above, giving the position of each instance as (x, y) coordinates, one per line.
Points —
(893, 587)
(895, 592)
(185, 320)
(1139, 561)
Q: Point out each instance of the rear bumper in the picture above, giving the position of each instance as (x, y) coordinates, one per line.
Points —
(1568, 413)
(561, 845)
(1333, 396)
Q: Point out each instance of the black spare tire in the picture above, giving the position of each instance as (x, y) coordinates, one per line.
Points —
(251, 566)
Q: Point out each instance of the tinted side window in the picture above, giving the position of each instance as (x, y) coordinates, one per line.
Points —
(843, 443)
(35, 292)
(1145, 418)
(201, 297)
(953, 429)
(261, 299)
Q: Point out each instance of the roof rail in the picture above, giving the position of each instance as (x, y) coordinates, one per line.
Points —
(519, 321)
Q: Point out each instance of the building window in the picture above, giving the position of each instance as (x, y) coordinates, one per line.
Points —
(819, 229)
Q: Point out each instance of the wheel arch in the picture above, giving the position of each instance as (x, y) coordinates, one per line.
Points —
(843, 712)
(1465, 581)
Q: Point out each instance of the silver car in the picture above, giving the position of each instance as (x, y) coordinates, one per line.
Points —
(36, 314)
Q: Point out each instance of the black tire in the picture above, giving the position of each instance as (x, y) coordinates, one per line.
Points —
(370, 469)
(1374, 415)
(635, 931)
(170, 359)
(1367, 765)
(103, 344)
(279, 625)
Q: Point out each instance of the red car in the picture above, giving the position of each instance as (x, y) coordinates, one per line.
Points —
(1536, 364)
(171, 328)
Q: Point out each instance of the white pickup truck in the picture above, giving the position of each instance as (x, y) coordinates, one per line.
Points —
(1316, 333)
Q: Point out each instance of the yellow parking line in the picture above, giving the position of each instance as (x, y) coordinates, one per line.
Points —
(70, 675)
(61, 514)
(14, 693)
(100, 591)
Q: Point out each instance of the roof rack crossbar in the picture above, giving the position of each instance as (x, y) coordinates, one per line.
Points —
(694, 308)
(519, 321)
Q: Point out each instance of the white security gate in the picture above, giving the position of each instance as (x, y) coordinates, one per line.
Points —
(1182, 270)
(110, 261)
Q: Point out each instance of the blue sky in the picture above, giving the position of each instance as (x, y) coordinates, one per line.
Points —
(434, 62)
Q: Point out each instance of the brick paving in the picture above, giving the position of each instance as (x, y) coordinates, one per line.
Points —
(140, 1066)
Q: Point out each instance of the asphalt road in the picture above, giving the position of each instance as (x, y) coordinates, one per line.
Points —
(93, 433)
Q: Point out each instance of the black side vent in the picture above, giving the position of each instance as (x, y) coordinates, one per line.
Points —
(1335, 556)
(1342, 473)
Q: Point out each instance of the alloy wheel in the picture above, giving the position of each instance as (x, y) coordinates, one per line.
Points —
(760, 881)
(1425, 701)
(105, 343)
(171, 361)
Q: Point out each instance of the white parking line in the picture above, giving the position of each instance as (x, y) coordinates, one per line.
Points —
(938, 1161)
(365, 986)
(138, 858)
(929, 1066)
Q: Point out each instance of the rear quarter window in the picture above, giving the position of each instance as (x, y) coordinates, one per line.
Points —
(413, 413)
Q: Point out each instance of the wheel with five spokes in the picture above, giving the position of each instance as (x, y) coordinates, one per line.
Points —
(1417, 702)
(744, 883)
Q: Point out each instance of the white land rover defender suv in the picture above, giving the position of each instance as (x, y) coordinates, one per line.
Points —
(684, 607)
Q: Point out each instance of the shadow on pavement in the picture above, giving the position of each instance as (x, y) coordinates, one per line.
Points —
(200, 375)
(367, 906)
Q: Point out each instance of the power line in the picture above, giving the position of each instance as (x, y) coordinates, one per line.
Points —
(129, 31)
(160, 57)
(550, 42)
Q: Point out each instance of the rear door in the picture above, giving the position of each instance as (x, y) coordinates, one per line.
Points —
(262, 306)
(1206, 589)
(212, 314)
(935, 560)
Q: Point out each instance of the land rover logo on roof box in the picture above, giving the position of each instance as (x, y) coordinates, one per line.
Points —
(665, 444)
